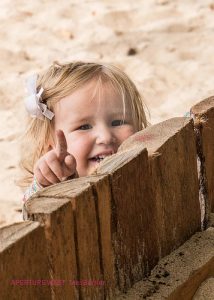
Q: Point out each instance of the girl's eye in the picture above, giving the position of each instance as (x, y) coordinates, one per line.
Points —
(118, 122)
(85, 127)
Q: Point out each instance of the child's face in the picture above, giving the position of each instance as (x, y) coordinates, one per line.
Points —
(92, 124)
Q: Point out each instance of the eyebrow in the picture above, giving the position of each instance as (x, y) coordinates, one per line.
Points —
(113, 115)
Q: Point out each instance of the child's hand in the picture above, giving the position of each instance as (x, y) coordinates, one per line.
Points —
(56, 165)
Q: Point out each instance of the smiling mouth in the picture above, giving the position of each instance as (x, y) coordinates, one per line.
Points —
(99, 158)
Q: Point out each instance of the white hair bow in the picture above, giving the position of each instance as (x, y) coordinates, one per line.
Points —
(33, 105)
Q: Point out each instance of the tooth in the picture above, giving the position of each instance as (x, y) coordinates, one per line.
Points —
(100, 157)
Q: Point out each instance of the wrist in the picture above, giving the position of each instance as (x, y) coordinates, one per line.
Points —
(33, 188)
(36, 185)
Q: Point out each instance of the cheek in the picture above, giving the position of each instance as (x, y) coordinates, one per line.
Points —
(125, 133)
(78, 146)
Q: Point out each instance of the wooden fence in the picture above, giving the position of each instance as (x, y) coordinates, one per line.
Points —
(95, 236)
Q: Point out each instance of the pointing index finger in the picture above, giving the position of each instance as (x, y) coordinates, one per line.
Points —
(61, 145)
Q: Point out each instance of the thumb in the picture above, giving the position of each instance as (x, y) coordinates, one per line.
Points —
(61, 145)
(69, 167)
(70, 162)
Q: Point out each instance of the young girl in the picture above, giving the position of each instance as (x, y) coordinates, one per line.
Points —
(81, 113)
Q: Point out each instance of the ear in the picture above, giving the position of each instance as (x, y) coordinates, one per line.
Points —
(50, 144)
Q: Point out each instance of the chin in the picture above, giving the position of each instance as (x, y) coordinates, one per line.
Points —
(84, 173)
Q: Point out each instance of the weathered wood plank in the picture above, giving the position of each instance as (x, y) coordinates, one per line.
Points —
(57, 217)
(69, 214)
(23, 262)
(118, 213)
(120, 242)
(87, 239)
(102, 193)
(173, 166)
(132, 221)
(203, 114)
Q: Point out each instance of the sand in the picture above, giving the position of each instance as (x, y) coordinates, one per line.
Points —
(180, 272)
(165, 46)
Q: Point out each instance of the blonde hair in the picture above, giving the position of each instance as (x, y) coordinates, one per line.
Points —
(59, 81)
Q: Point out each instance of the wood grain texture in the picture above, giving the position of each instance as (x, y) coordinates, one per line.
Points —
(133, 227)
(57, 218)
(23, 262)
(114, 223)
(102, 192)
(69, 214)
(117, 223)
(88, 245)
(173, 166)
(203, 113)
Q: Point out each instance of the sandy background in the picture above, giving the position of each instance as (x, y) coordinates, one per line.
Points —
(172, 59)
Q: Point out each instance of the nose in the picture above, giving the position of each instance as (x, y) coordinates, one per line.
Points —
(105, 136)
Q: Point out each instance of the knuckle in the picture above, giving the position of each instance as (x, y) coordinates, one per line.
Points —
(51, 157)
(44, 182)
(45, 170)
(59, 174)
(40, 163)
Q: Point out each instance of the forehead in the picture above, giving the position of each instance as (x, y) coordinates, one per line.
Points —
(97, 89)
(92, 95)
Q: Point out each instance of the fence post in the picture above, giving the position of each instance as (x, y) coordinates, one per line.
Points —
(173, 165)
(68, 213)
(24, 272)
